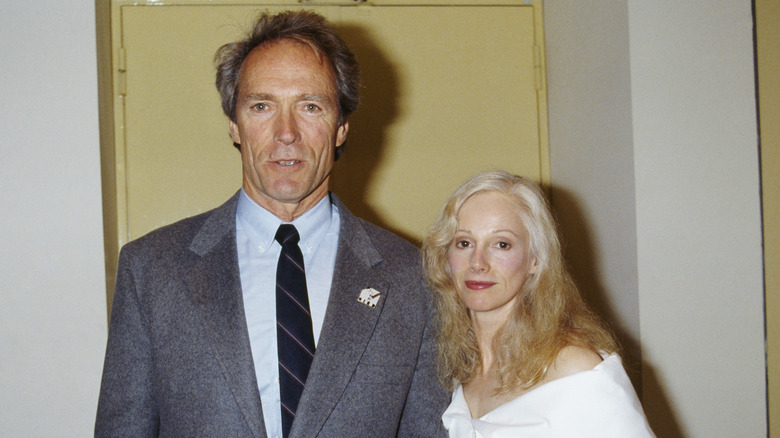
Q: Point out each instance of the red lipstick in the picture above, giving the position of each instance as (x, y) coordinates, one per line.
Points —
(478, 285)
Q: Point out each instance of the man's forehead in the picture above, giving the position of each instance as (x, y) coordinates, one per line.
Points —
(287, 60)
(288, 47)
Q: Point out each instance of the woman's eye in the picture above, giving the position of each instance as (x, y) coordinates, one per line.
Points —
(503, 245)
(461, 244)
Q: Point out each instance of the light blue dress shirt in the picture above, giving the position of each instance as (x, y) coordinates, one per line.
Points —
(258, 254)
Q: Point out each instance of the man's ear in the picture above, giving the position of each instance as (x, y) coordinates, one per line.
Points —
(234, 134)
(341, 133)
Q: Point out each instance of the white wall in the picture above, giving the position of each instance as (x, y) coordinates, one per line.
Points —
(592, 158)
(698, 211)
(53, 311)
(690, 99)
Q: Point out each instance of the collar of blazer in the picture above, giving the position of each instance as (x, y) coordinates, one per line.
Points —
(214, 286)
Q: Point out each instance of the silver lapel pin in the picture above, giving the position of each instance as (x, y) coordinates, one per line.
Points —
(369, 297)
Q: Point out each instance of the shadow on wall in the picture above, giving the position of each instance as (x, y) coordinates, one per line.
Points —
(366, 141)
(582, 262)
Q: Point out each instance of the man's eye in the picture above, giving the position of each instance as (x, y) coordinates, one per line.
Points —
(259, 107)
(312, 107)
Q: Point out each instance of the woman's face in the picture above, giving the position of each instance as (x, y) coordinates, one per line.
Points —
(489, 258)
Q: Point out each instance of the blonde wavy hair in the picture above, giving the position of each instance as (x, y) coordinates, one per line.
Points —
(549, 315)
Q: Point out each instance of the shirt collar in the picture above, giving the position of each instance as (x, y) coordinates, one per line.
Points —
(261, 225)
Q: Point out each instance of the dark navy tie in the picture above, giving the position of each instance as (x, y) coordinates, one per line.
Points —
(293, 324)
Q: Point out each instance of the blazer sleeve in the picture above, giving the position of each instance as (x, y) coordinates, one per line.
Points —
(427, 398)
(126, 405)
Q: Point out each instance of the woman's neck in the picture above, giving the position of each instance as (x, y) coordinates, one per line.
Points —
(486, 330)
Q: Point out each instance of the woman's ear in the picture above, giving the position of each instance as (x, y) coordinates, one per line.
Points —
(532, 268)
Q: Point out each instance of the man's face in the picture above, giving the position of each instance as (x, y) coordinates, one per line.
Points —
(287, 124)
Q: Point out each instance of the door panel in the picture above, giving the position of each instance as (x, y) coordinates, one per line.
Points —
(447, 91)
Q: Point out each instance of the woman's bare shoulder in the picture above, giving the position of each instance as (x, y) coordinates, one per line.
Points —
(573, 359)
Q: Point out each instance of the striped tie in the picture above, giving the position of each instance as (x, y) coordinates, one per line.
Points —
(293, 324)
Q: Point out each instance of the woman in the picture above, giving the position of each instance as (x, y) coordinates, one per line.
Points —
(518, 347)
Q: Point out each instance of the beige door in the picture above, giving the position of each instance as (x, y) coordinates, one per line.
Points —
(448, 90)
(768, 60)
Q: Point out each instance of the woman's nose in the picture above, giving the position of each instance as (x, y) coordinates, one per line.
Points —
(478, 261)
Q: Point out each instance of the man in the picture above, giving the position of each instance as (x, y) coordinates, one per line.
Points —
(200, 337)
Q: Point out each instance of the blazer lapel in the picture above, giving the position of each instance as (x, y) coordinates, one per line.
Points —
(215, 287)
(347, 327)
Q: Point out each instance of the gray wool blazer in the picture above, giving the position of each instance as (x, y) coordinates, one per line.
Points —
(178, 360)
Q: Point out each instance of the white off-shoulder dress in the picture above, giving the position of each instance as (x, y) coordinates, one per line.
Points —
(597, 403)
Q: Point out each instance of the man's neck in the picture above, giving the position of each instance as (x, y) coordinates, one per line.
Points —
(287, 211)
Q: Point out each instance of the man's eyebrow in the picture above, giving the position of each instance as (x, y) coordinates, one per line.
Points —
(258, 96)
(301, 97)
(315, 97)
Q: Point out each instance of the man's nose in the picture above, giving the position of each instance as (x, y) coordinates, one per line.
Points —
(287, 131)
